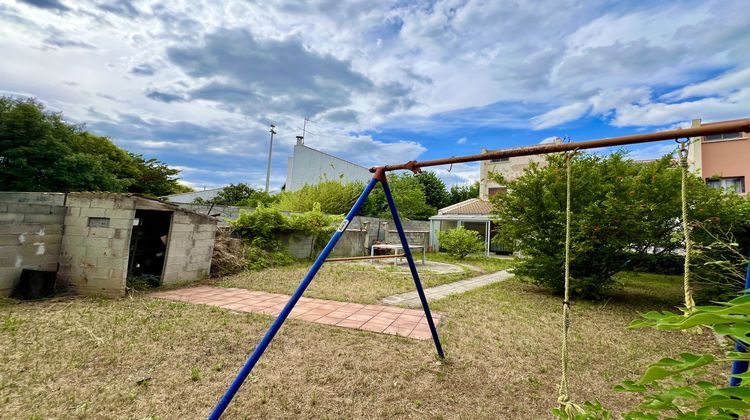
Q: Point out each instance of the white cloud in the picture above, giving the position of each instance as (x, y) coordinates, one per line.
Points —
(462, 140)
(560, 115)
(209, 86)
(458, 174)
(732, 106)
(721, 85)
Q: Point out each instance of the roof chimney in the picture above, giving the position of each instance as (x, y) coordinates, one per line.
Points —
(300, 140)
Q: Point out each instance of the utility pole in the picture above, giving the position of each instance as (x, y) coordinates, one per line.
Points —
(270, 152)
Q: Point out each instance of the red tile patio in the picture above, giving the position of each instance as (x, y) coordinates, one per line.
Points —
(377, 318)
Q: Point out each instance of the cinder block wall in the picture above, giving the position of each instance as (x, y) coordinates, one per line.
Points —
(30, 234)
(191, 245)
(414, 238)
(94, 260)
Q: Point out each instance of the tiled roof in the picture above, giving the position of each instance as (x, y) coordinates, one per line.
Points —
(470, 206)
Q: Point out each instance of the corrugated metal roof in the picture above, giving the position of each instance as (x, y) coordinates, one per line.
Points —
(470, 206)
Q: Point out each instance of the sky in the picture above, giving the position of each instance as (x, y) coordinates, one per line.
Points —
(196, 83)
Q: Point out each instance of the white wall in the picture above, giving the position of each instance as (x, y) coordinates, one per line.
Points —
(189, 197)
(309, 166)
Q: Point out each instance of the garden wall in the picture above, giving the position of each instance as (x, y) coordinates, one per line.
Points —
(30, 234)
(354, 242)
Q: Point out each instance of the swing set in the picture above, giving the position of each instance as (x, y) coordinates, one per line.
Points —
(681, 136)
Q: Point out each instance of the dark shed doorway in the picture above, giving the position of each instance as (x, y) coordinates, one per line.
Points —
(148, 245)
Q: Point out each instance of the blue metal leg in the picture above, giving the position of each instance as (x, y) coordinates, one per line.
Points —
(248, 367)
(412, 266)
(740, 366)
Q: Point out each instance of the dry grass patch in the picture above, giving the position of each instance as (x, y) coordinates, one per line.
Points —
(140, 357)
(351, 282)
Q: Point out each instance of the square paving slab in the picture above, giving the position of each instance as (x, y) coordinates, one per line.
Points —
(376, 318)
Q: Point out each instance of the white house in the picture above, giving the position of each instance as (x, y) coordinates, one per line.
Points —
(310, 166)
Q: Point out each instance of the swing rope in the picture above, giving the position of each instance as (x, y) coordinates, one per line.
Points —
(570, 409)
(689, 302)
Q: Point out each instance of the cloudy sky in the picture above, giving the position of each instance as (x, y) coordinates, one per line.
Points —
(196, 83)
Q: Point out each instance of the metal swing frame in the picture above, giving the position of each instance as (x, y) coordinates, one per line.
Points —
(379, 176)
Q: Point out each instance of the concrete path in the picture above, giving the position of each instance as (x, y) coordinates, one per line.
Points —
(411, 299)
(377, 318)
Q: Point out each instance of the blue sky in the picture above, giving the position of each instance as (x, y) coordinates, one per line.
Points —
(195, 83)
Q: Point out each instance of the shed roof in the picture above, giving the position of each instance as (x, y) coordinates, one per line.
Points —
(470, 206)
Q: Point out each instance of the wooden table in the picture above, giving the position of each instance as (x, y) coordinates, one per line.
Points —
(395, 249)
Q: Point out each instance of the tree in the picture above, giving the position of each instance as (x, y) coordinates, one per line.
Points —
(434, 189)
(459, 193)
(233, 194)
(620, 208)
(409, 197)
(39, 151)
(460, 242)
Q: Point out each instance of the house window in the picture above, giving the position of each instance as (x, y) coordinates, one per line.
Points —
(726, 136)
(502, 159)
(736, 184)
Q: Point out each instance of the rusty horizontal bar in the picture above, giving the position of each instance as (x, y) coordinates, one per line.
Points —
(369, 257)
(706, 130)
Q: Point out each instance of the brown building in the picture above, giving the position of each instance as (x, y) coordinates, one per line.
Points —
(722, 160)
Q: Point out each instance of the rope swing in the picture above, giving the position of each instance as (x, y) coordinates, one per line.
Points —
(570, 409)
(683, 154)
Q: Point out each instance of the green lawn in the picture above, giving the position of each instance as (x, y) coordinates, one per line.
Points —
(480, 261)
(140, 357)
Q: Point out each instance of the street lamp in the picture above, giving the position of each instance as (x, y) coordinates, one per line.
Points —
(270, 152)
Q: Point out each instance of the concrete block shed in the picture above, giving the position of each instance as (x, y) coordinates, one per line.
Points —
(96, 240)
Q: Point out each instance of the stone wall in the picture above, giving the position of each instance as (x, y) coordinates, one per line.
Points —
(30, 234)
(352, 243)
(94, 258)
(191, 244)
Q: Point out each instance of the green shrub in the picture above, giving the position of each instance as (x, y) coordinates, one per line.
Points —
(259, 226)
(258, 258)
(314, 223)
(259, 230)
(622, 210)
(460, 242)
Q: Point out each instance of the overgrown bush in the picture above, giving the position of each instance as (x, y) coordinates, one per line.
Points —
(333, 197)
(620, 208)
(314, 223)
(460, 242)
(257, 258)
(261, 228)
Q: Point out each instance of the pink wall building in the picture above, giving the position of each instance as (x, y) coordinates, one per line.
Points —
(722, 160)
